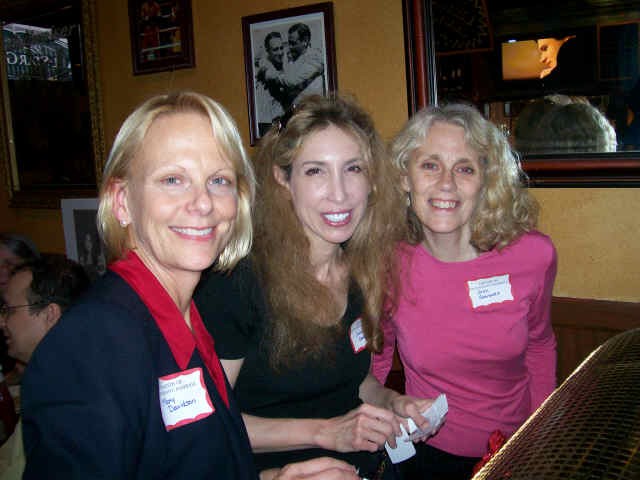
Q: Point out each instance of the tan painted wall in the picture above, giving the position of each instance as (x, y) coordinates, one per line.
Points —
(597, 235)
(595, 230)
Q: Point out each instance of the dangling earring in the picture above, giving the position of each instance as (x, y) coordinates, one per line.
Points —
(123, 223)
(408, 200)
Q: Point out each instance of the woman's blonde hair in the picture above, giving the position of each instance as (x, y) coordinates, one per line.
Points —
(505, 209)
(301, 307)
(127, 144)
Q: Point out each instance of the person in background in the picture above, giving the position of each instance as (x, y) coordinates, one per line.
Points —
(576, 127)
(296, 325)
(128, 385)
(473, 316)
(548, 49)
(562, 124)
(14, 250)
(37, 294)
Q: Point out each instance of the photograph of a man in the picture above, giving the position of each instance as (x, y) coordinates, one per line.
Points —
(306, 64)
(289, 61)
(270, 96)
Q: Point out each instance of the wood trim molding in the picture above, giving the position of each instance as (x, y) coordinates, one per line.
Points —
(595, 314)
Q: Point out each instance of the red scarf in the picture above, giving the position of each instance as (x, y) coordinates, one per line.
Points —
(181, 340)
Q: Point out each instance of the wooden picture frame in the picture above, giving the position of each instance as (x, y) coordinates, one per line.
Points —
(619, 169)
(288, 54)
(161, 35)
(51, 133)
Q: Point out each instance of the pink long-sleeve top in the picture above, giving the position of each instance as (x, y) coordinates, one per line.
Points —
(478, 331)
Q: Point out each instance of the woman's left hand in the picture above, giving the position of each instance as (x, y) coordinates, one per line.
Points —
(406, 406)
(403, 406)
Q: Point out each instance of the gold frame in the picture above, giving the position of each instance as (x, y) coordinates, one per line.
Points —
(50, 198)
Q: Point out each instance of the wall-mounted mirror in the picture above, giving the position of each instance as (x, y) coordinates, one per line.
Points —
(51, 138)
(564, 84)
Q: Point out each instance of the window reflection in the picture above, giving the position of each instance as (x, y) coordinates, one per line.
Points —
(48, 100)
(577, 87)
(51, 144)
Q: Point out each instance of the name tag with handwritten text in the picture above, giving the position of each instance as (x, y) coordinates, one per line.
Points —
(358, 340)
(486, 291)
(184, 398)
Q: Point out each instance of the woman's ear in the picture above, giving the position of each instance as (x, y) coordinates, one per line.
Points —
(404, 182)
(281, 176)
(119, 196)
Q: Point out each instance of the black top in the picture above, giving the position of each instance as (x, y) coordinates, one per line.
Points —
(91, 401)
(233, 309)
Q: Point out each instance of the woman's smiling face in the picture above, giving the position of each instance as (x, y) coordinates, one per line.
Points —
(329, 186)
(180, 197)
(444, 181)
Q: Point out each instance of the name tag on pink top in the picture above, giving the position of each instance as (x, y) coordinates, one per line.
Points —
(358, 340)
(184, 398)
(486, 291)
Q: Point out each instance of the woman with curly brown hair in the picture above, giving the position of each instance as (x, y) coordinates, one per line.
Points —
(473, 315)
(297, 324)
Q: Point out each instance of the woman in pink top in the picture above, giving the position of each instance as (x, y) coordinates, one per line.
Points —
(472, 316)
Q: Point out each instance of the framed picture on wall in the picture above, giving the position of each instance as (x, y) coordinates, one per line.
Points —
(82, 242)
(288, 54)
(161, 35)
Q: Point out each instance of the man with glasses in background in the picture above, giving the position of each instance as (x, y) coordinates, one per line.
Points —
(37, 294)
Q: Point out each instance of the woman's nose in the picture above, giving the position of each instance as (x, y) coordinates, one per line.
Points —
(447, 180)
(202, 200)
(338, 191)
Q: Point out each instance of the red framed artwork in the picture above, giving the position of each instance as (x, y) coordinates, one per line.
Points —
(161, 35)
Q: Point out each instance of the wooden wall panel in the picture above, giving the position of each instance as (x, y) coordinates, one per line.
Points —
(581, 325)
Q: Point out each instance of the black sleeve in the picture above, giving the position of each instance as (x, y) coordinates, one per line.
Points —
(231, 308)
(83, 393)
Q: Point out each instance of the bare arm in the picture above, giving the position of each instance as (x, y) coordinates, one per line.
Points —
(364, 428)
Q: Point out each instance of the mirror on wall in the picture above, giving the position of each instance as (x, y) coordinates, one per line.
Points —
(50, 134)
(562, 83)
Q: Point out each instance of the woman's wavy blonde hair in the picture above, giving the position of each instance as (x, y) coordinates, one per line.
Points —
(505, 209)
(303, 309)
(126, 146)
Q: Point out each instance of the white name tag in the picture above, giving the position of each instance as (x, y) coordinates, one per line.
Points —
(486, 291)
(358, 340)
(184, 398)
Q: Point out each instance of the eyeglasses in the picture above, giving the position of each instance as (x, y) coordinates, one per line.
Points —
(7, 310)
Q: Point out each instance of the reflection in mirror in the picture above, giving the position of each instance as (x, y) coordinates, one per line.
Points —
(52, 135)
(562, 84)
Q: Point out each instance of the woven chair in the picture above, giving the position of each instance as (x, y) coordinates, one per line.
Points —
(588, 428)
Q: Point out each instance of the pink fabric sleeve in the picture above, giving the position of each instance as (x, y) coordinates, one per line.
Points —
(541, 353)
(381, 362)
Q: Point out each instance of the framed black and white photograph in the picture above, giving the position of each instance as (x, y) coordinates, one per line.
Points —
(81, 238)
(288, 54)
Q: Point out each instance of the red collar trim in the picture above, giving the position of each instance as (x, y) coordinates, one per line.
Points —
(165, 312)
